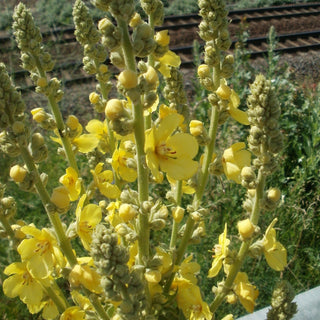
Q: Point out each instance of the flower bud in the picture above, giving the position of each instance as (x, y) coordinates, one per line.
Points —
(42, 82)
(72, 122)
(103, 68)
(178, 214)
(203, 71)
(127, 212)
(135, 20)
(18, 127)
(196, 127)
(223, 91)
(151, 76)
(114, 109)
(274, 194)
(60, 197)
(94, 98)
(128, 79)
(18, 173)
(162, 38)
(39, 115)
(246, 228)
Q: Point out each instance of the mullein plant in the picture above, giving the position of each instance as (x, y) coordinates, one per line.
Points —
(139, 144)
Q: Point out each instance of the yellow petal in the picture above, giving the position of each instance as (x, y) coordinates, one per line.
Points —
(171, 59)
(179, 169)
(153, 164)
(86, 142)
(95, 126)
(32, 293)
(184, 144)
(12, 286)
(92, 214)
(239, 115)
(216, 266)
(167, 126)
(276, 256)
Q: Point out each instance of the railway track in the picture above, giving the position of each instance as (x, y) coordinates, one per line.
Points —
(306, 37)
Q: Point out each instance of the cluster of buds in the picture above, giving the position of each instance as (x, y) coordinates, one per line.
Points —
(265, 139)
(117, 281)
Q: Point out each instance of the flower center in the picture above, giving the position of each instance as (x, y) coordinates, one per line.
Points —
(42, 247)
(164, 151)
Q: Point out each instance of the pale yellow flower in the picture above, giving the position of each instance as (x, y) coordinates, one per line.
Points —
(189, 300)
(221, 251)
(234, 159)
(246, 292)
(72, 182)
(21, 283)
(41, 252)
(100, 130)
(171, 153)
(73, 313)
(87, 219)
(274, 251)
(103, 180)
(189, 269)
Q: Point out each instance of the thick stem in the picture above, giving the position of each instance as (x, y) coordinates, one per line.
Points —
(143, 174)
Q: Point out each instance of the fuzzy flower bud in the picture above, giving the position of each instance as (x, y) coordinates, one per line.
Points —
(18, 173)
(178, 214)
(94, 98)
(114, 109)
(203, 71)
(39, 115)
(274, 194)
(128, 79)
(60, 197)
(72, 122)
(127, 212)
(151, 76)
(246, 228)
(196, 127)
(153, 276)
(135, 20)
(223, 91)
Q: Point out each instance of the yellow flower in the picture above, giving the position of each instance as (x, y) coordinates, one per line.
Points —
(186, 188)
(84, 142)
(188, 269)
(120, 161)
(72, 182)
(87, 219)
(173, 154)
(224, 92)
(73, 313)
(41, 252)
(165, 259)
(60, 197)
(50, 310)
(103, 180)
(100, 130)
(21, 283)
(86, 276)
(246, 292)
(221, 251)
(234, 159)
(113, 214)
(274, 251)
(82, 301)
(162, 37)
(169, 59)
(189, 300)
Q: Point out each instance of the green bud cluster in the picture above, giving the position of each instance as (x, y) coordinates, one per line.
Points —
(175, 93)
(12, 106)
(38, 148)
(154, 7)
(281, 302)
(8, 206)
(142, 40)
(118, 282)
(28, 38)
(265, 139)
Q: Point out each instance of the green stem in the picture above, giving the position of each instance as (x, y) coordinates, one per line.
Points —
(235, 267)
(175, 225)
(58, 300)
(7, 227)
(94, 299)
(143, 173)
(53, 216)
(59, 122)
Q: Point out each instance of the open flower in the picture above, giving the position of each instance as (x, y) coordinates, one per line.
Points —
(72, 182)
(224, 92)
(190, 301)
(87, 219)
(246, 292)
(173, 154)
(73, 313)
(221, 251)
(189, 269)
(100, 130)
(274, 251)
(234, 159)
(103, 180)
(121, 159)
(41, 252)
(21, 283)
